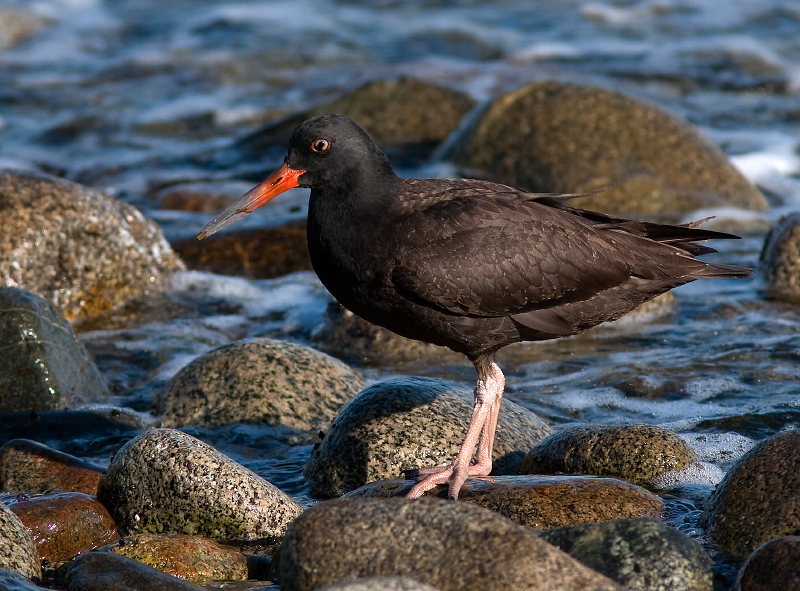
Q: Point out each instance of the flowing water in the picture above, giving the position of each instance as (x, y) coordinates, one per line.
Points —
(124, 95)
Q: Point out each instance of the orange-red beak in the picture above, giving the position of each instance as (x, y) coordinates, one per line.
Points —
(278, 182)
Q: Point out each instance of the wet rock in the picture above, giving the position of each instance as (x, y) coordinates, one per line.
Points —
(101, 571)
(17, 25)
(64, 524)
(347, 336)
(780, 260)
(758, 499)
(406, 423)
(165, 481)
(261, 253)
(398, 114)
(192, 558)
(10, 581)
(637, 453)
(379, 584)
(539, 501)
(30, 467)
(19, 552)
(76, 247)
(259, 381)
(43, 366)
(448, 545)
(639, 554)
(772, 566)
(567, 138)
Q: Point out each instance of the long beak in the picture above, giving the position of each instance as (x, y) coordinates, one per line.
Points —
(278, 182)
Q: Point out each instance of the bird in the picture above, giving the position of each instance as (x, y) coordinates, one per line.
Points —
(468, 264)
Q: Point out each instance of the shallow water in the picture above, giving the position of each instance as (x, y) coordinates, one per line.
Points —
(128, 95)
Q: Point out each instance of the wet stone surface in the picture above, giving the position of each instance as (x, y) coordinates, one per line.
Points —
(30, 467)
(582, 138)
(64, 524)
(165, 481)
(639, 554)
(637, 453)
(447, 545)
(773, 565)
(43, 366)
(101, 571)
(259, 381)
(406, 423)
(780, 260)
(81, 250)
(758, 498)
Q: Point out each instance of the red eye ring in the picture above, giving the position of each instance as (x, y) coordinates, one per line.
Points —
(320, 145)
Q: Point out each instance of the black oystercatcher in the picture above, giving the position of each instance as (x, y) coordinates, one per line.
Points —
(468, 264)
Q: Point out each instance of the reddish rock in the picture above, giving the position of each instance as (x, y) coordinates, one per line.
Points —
(64, 524)
(30, 467)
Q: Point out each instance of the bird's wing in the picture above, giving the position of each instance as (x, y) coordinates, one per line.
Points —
(470, 255)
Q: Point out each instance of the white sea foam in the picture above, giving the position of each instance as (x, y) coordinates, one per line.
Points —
(718, 448)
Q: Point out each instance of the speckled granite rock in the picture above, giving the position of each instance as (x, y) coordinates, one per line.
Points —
(407, 423)
(101, 571)
(379, 584)
(19, 552)
(167, 481)
(30, 467)
(780, 260)
(396, 113)
(192, 558)
(81, 250)
(259, 381)
(567, 138)
(758, 499)
(639, 554)
(449, 545)
(637, 453)
(44, 366)
(64, 524)
(542, 502)
(772, 566)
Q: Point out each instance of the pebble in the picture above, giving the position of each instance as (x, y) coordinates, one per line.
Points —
(76, 247)
(576, 138)
(19, 553)
(43, 367)
(448, 545)
(542, 502)
(30, 467)
(259, 381)
(639, 554)
(165, 481)
(406, 423)
(636, 453)
(758, 499)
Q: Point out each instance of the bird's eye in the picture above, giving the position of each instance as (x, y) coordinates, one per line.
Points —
(320, 145)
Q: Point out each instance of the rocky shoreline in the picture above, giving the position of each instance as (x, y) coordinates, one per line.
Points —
(569, 508)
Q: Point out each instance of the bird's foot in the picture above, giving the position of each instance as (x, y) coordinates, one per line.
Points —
(427, 478)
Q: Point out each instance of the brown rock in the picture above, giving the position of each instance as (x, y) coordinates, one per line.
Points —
(64, 524)
(448, 545)
(567, 138)
(539, 501)
(772, 566)
(780, 260)
(379, 584)
(192, 558)
(407, 423)
(637, 453)
(259, 381)
(759, 498)
(262, 253)
(76, 247)
(101, 571)
(30, 467)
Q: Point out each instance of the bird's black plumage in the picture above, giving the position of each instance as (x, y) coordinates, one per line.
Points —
(469, 264)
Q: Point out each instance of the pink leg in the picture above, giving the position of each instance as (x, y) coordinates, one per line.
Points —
(481, 430)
